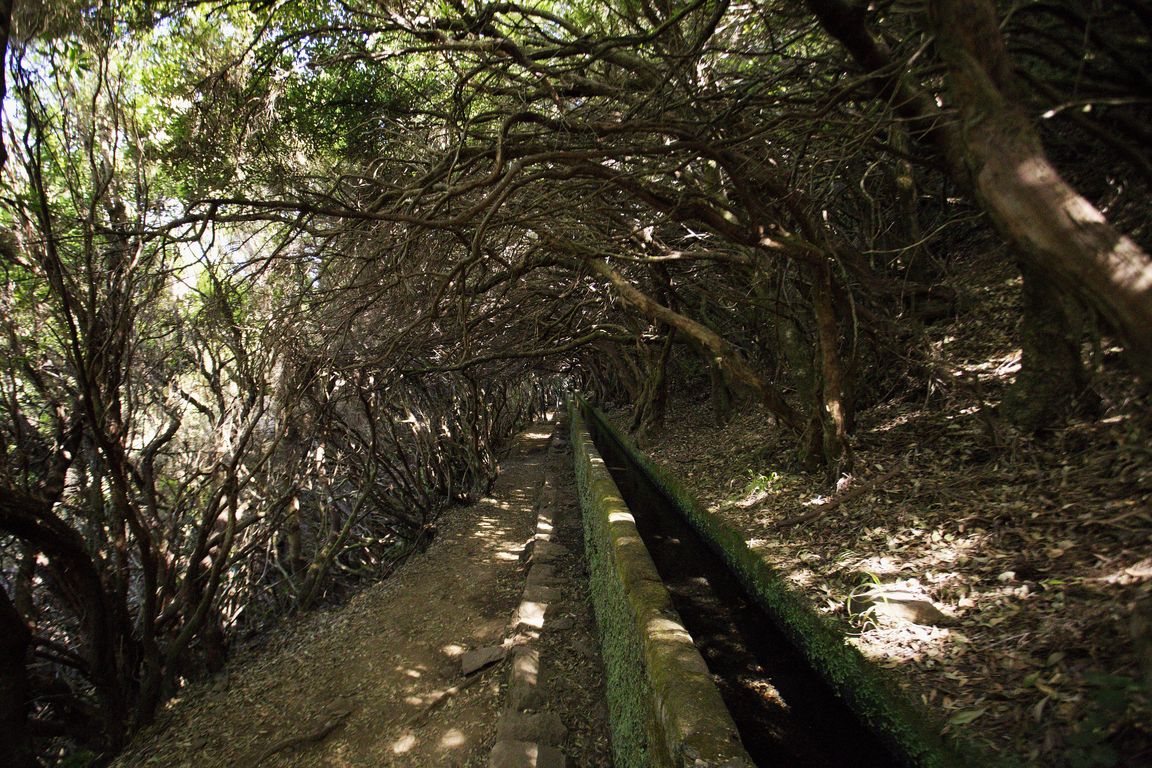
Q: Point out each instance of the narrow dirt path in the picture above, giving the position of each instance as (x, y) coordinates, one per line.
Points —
(377, 682)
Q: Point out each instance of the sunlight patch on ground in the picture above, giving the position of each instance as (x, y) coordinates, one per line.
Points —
(880, 565)
(937, 548)
(894, 422)
(1133, 573)
(997, 367)
(801, 577)
(493, 531)
(404, 744)
(895, 645)
(452, 649)
(453, 738)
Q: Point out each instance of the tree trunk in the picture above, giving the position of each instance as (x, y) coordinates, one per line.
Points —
(1060, 233)
(648, 417)
(996, 155)
(719, 394)
(15, 638)
(5, 28)
(837, 453)
(1052, 382)
(79, 586)
(915, 260)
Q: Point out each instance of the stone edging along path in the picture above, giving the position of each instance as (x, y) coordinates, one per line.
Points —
(527, 734)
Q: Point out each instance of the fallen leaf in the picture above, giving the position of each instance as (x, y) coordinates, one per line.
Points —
(965, 717)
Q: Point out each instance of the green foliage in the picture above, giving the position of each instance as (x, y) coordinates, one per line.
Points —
(759, 482)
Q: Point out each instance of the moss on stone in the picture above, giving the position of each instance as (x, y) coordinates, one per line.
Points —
(910, 731)
(664, 708)
(630, 700)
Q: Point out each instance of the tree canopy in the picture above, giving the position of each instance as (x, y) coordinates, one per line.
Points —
(281, 278)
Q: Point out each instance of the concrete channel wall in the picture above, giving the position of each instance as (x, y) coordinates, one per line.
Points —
(664, 708)
(912, 733)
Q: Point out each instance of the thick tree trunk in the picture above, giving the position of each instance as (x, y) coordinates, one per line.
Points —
(997, 156)
(80, 587)
(1063, 235)
(719, 394)
(648, 416)
(798, 344)
(915, 260)
(1052, 382)
(15, 742)
(832, 409)
(5, 28)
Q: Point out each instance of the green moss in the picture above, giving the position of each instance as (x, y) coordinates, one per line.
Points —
(664, 708)
(909, 730)
(630, 700)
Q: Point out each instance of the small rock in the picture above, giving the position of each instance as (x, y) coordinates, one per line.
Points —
(538, 727)
(898, 604)
(475, 660)
(524, 684)
(561, 624)
(543, 575)
(536, 593)
(915, 611)
(530, 614)
(546, 552)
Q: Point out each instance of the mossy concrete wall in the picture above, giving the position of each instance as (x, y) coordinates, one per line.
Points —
(910, 731)
(664, 708)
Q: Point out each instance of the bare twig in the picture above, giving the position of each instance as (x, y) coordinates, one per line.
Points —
(317, 735)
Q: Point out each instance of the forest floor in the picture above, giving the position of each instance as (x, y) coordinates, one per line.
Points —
(1036, 549)
(377, 681)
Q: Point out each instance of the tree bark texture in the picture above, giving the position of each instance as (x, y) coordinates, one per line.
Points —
(996, 155)
(1062, 234)
(5, 29)
(648, 415)
(1052, 382)
(70, 564)
(15, 742)
(832, 410)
